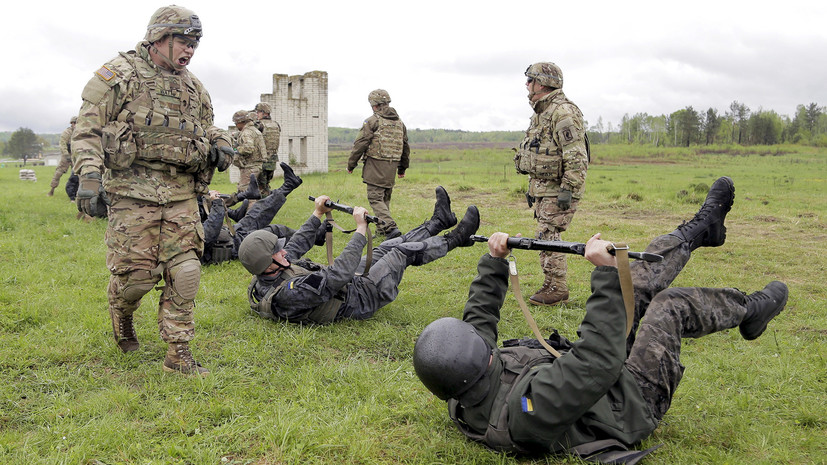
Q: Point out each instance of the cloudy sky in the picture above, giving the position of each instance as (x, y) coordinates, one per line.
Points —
(450, 64)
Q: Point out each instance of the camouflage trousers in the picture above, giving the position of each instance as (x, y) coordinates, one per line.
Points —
(551, 222)
(380, 201)
(144, 242)
(666, 315)
(244, 179)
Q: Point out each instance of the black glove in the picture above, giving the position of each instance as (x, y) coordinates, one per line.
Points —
(564, 199)
(88, 197)
(221, 156)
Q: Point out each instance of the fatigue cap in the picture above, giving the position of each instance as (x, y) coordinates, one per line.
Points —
(173, 19)
(546, 74)
(378, 97)
(263, 107)
(450, 357)
(242, 116)
(257, 249)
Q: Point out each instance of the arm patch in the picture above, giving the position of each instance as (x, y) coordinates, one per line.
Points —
(312, 281)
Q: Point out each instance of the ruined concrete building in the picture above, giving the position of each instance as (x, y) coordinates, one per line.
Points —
(299, 105)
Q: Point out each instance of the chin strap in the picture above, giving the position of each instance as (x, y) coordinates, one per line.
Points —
(166, 58)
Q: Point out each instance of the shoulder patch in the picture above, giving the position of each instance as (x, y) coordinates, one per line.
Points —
(106, 73)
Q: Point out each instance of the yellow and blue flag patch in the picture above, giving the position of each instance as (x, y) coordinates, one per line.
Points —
(528, 406)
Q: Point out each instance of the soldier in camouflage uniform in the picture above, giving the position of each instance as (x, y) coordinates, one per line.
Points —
(251, 151)
(271, 130)
(555, 156)
(65, 163)
(383, 145)
(145, 139)
(606, 389)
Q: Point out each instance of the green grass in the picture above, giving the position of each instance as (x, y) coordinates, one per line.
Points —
(346, 393)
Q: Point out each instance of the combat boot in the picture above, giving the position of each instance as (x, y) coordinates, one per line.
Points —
(237, 214)
(550, 294)
(443, 218)
(179, 360)
(251, 193)
(461, 235)
(392, 233)
(763, 306)
(124, 332)
(706, 228)
(291, 180)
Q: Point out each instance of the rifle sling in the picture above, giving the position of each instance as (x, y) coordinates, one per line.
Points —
(626, 286)
(515, 286)
(328, 239)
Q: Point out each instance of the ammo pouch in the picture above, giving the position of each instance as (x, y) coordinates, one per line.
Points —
(119, 148)
(222, 250)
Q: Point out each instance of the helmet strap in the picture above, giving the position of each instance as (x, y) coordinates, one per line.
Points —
(167, 58)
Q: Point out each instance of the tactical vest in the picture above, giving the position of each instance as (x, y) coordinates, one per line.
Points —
(520, 359)
(387, 140)
(161, 128)
(222, 249)
(272, 137)
(323, 314)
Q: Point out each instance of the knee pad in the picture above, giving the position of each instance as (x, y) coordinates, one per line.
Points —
(413, 251)
(391, 243)
(184, 273)
(137, 283)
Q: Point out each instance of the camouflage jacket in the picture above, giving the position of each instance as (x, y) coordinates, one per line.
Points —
(65, 155)
(555, 150)
(377, 135)
(251, 149)
(146, 129)
(272, 138)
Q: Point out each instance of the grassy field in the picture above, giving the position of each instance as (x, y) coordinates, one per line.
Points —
(346, 393)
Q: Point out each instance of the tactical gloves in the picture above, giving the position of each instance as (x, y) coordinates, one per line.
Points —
(221, 155)
(91, 198)
(564, 199)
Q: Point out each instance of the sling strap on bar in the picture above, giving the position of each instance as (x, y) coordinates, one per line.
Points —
(626, 287)
(328, 239)
(515, 286)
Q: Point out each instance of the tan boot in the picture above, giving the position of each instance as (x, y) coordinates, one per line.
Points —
(179, 360)
(124, 332)
(550, 295)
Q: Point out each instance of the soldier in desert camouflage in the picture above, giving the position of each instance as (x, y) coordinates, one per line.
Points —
(145, 146)
(383, 145)
(65, 163)
(271, 130)
(251, 152)
(555, 156)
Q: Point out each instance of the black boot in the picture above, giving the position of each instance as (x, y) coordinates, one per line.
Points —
(252, 192)
(763, 306)
(461, 235)
(237, 214)
(443, 218)
(291, 181)
(707, 228)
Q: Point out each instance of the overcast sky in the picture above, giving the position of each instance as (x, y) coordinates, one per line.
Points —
(446, 64)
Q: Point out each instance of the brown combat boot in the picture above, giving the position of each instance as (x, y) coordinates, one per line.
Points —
(550, 295)
(124, 332)
(179, 360)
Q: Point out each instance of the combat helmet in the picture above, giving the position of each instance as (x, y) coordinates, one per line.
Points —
(257, 249)
(73, 120)
(172, 19)
(378, 97)
(263, 107)
(242, 116)
(450, 357)
(546, 74)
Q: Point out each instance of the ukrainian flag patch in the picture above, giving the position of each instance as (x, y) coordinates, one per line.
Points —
(528, 406)
(105, 73)
(291, 284)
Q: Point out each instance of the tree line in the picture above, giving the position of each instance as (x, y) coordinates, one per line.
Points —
(738, 125)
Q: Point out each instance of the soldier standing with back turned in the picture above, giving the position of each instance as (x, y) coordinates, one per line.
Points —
(251, 153)
(145, 130)
(383, 144)
(272, 137)
(65, 163)
(555, 156)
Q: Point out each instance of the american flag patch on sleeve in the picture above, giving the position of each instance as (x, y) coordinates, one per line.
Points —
(105, 73)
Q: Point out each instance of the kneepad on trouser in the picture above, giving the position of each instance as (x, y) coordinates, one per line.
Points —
(184, 275)
(135, 284)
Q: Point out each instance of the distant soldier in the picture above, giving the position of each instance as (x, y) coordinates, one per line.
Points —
(65, 163)
(145, 129)
(251, 152)
(383, 145)
(271, 130)
(555, 156)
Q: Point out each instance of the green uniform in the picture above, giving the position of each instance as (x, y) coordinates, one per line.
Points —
(65, 156)
(251, 154)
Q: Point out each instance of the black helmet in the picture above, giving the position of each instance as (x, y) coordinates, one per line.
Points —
(449, 357)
